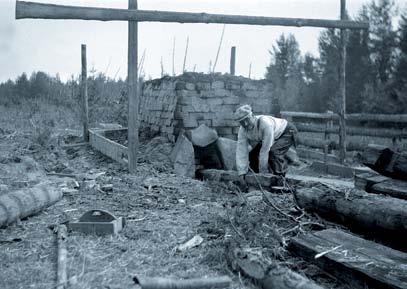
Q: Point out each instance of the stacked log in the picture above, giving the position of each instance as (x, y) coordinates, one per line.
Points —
(26, 202)
(374, 215)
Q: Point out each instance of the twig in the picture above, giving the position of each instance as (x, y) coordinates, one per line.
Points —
(327, 251)
(220, 44)
(185, 55)
(173, 57)
(270, 202)
(233, 226)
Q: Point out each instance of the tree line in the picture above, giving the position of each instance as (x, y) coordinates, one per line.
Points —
(376, 73)
(376, 66)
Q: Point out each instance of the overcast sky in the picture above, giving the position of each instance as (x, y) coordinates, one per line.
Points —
(53, 46)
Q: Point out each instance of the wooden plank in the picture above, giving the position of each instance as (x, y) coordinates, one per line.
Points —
(108, 147)
(376, 216)
(394, 188)
(84, 94)
(133, 97)
(401, 118)
(358, 263)
(310, 115)
(51, 11)
(352, 130)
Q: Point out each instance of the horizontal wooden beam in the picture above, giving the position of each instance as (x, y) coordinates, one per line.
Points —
(402, 118)
(52, 11)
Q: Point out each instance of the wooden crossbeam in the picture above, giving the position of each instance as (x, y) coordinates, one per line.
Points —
(52, 11)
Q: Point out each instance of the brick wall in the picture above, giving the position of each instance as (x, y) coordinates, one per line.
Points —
(170, 104)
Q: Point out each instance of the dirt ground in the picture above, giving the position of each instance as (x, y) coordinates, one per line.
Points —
(162, 212)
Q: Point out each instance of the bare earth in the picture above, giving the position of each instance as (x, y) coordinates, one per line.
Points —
(162, 211)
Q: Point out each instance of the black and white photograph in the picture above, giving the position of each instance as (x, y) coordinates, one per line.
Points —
(178, 144)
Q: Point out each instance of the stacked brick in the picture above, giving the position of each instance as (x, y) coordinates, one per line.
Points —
(157, 106)
(202, 99)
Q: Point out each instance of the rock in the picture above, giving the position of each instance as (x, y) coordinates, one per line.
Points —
(227, 149)
(183, 157)
(203, 136)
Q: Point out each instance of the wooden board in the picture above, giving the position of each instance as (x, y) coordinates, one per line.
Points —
(108, 147)
(358, 262)
(394, 188)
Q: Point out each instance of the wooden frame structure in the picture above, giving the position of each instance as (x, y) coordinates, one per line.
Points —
(133, 16)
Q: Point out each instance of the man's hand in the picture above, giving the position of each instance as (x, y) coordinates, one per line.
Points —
(242, 183)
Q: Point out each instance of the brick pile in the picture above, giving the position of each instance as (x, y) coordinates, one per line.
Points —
(184, 102)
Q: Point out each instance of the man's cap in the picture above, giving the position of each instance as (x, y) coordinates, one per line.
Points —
(243, 112)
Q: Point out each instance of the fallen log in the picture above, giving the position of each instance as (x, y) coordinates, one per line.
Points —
(356, 262)
(377, 216)
(264, 272)
(385, 161)
(193, 283)
(26, 202)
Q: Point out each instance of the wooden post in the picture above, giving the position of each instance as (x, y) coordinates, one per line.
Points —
(132, 82)
(232, 60)
(84, 94)
(62, 275)
(342, 89)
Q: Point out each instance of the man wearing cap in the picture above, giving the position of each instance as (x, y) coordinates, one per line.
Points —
(269, 137)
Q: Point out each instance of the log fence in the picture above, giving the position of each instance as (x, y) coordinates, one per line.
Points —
(392, 127)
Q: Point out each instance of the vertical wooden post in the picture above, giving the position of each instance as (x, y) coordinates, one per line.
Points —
(232, 60)
(342, 89)
(132, 82)
(84, 94)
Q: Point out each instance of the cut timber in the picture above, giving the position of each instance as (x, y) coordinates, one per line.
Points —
(26, 202)
(366, 180)
(51, 11)
(383, 216)
(394, 188)
(195, 283)
(358, 263)
(265, 180)
(385, 161)
(264, 272)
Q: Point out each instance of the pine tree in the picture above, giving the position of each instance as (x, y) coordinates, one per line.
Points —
(383, 38)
